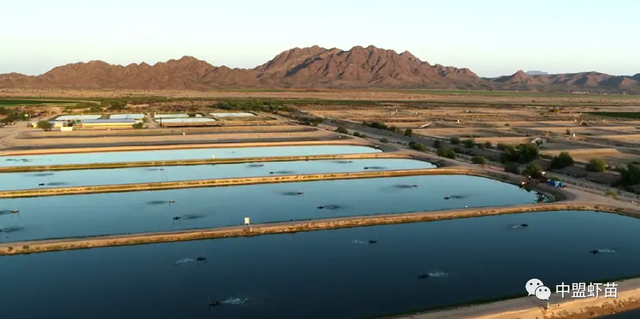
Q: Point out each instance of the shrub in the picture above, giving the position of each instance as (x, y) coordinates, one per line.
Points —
(356, 133)
(512, 168)
(610, 193)
(568, 131)
(446, 152)
(408, 132)
(534, 170)
(502, 146)
(362, 135)
(480, 146)
(417, 146)
(342, 130)
(437, 143)
(469, 143)
(138, 125)
(630, 176)
(596, 165)
(384, 140)
(561, 161)
(488, 144)
(454, 140)
(25, 247)
(479, 159)
(523, 153)
(458, 150)
(44, 125)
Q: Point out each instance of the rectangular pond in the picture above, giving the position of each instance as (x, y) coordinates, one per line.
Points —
(152, 211)
(326, 274)
(181, 154)
(14, 181)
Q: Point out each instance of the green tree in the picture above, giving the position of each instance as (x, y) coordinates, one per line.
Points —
(454, 140)
(44, 125)
(437, 143)
(523, 153)
(630, 176)
(561, 161)
(596, 165)
(479, 159)
(417, 146)
(534, 170)
(488, 144)
(117, 105)
(512, 168)
(408, 132)
(446, 152)
(469, 143)
(342, 130)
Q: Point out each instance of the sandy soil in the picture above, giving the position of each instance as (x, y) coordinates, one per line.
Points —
(324, 94)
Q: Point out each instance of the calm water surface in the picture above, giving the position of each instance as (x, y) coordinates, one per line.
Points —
(11, 181)
(135, 212)
(169, 155)
(319, 275)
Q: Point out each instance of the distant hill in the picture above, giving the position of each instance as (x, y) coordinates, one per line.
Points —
(312, 67)
(536, 73)
(591, 81)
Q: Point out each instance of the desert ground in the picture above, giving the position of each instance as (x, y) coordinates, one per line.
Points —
(469, 124)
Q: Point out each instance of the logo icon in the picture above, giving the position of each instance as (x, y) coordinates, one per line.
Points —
(532, 285)
(543, 293)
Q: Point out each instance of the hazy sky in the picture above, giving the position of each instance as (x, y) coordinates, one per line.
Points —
(491, 37)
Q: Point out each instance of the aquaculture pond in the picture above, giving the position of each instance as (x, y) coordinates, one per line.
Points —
(12, 181)
(186, 154)
(151, 211)
(334, 274)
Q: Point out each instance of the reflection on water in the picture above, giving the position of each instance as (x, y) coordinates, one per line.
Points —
(324, 274)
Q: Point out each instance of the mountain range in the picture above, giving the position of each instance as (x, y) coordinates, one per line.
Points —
(312, 67)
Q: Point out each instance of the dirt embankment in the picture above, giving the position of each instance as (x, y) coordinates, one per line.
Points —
(220, 161)
(228, 182)
(292, 227)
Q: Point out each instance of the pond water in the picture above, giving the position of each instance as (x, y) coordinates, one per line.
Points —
(186, 154)
(151, 211)
(326, 274)
(14, 181)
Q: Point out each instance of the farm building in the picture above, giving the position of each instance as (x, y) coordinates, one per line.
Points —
(105, 123)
